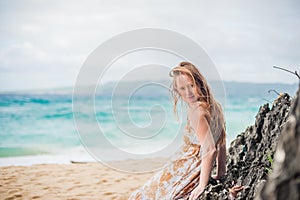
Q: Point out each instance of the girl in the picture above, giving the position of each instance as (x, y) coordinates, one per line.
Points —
(204, 141)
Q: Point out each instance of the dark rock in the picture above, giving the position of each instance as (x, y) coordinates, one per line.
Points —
(284, 182)
(248, 157)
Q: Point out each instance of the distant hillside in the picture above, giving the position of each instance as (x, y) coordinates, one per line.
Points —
(260, 89)
(160, 89)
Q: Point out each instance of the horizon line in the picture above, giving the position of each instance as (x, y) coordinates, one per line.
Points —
(45, 89)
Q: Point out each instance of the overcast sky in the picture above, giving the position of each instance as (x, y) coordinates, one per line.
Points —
(43, 44)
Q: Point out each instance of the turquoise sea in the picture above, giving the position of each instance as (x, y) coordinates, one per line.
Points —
(40, 126)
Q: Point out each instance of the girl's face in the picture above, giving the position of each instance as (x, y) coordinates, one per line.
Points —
(186, 89)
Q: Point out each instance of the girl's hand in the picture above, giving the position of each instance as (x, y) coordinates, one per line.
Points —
(196, 193)
(235, 190)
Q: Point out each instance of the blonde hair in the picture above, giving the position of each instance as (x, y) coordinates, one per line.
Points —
(206, 99)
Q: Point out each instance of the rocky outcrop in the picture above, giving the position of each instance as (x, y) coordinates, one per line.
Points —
(251, 154)
(284, 182)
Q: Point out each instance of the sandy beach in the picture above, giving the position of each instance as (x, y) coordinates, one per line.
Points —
(91, 180)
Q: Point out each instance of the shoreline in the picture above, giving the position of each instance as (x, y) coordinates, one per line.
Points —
(81, 156)
(28, 160)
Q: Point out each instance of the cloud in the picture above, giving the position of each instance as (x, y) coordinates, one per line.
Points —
(49, 37)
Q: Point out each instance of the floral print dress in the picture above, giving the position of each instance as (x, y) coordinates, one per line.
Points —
(177, 179)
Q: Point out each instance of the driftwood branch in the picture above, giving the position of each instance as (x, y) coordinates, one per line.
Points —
(295, 72)
(272, 90)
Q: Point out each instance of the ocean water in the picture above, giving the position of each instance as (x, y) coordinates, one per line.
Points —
(41, 126)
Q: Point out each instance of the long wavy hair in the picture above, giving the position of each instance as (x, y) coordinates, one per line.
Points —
(206, 99)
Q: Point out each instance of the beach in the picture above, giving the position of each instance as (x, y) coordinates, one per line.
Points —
(82, 180)
(38, 141)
